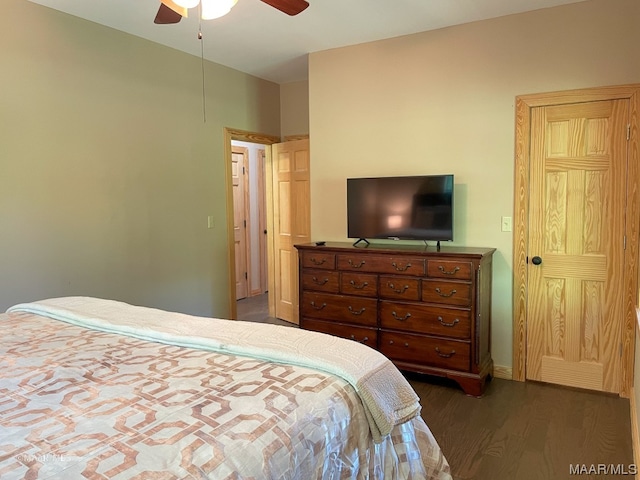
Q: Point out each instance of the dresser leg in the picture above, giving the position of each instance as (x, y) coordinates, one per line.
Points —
(472, 386)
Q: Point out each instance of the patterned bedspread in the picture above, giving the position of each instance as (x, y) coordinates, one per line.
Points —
(79, 403)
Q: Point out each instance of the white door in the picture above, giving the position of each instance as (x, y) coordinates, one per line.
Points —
(238, 175)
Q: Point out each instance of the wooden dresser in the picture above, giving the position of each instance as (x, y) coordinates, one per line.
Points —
(429, 311)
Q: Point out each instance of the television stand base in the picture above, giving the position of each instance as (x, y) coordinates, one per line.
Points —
(361, 240)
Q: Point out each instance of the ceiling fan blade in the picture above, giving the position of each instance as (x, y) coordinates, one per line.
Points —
(167, 15)
(290, 7)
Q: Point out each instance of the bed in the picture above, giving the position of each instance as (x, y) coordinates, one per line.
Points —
(99, 389)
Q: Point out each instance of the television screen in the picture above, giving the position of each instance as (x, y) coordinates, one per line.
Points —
(408, 208)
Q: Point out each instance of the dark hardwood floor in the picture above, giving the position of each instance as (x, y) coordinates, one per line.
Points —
(256, 309)
(526, 430)
(516, 430)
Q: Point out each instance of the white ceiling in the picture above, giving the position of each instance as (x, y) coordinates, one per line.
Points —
(258, 39)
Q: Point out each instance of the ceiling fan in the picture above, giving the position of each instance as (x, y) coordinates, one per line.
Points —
(172, 11)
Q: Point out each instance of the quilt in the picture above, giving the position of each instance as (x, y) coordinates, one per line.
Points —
(81, 402)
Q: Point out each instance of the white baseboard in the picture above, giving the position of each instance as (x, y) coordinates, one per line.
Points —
(505, 373)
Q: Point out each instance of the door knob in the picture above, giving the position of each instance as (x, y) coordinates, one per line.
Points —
(536, 260)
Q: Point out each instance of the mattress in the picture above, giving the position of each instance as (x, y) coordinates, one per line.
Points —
(77, 401)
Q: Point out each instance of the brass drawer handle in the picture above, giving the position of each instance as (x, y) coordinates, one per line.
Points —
(313, 304)
(397, 290)
(364, 340)
(445, 355)
(439, 292)
(452, 324)
(317, 262)
(400, 268)
(359, 312)
(359, 287)
(354, 265)
(452, 272)
(319, 282)
(401, 319)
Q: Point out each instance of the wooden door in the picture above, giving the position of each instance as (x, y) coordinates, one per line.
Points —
(238, 176)
(577, 194)
(291, 222)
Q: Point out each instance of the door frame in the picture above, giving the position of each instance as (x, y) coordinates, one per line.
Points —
(262, 221)
(524, 105)
(231, 134)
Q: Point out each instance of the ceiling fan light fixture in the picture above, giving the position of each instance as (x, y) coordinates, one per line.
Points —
(216, 8)
(182, 11)
(172, 11)
(186, 3)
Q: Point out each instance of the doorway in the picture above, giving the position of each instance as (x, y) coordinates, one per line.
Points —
(249, 211)
(241, 218)
(261, 142)
(287, 217)
(577, 217)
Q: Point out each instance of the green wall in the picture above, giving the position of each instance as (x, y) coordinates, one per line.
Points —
(108, 170)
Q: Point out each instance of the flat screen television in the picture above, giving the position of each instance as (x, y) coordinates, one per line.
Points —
(400, 208)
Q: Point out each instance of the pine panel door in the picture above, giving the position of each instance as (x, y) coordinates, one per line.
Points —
(577, 210)
(292, 222)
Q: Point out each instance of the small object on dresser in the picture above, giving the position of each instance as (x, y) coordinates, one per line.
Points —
(320, 243)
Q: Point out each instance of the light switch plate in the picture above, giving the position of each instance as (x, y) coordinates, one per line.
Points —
(506, 224)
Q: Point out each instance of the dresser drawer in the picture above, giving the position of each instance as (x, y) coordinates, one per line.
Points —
(321, 280)
(341, 308)
(322, 260)
(455, 269)
(426, 350)
(399, 265)
(366, 336)
(365, 285)
(448, 293)
(419, 318)
(401, 288)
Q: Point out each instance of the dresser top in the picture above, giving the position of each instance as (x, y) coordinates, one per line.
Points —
(398, 248)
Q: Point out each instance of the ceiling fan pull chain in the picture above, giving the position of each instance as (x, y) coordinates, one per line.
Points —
(204, 102)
